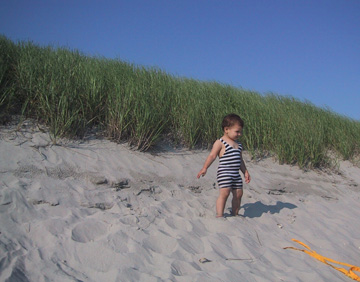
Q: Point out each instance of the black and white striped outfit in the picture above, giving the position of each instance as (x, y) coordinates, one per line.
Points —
(228, 175)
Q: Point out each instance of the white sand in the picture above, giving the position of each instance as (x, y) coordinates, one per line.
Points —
(98, 211)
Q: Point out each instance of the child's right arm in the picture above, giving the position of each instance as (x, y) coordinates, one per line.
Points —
(212, 156)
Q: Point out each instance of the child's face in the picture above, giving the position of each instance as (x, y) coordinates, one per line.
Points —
(233, 132)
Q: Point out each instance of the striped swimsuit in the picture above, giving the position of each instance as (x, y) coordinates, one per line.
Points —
(228, 175)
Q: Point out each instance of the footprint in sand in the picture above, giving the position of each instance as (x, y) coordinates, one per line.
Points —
(178, 223)
(89, 230)
(181, 268)
(161, 243)
(192, 245)
(119, 242)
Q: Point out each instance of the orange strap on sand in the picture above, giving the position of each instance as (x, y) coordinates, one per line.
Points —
(350, 273)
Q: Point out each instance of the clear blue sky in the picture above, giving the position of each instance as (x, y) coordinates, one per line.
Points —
(308, 49)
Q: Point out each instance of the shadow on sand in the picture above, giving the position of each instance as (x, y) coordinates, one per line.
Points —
(257, 209)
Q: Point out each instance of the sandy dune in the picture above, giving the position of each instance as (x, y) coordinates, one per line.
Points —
(94, 210)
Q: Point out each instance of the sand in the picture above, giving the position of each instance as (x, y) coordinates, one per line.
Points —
(94, 210)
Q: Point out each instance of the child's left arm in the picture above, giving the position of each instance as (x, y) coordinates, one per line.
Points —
(244, 170)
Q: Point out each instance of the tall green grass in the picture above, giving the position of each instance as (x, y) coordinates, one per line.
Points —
(8, 61)
(71, 93)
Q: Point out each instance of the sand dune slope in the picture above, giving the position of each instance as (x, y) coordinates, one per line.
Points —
(98, 211)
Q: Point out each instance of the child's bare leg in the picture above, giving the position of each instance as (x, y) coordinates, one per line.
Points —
(221, 201)
(236, 201)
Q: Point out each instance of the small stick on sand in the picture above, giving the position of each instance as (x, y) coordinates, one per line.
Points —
(250, 259)
(258, 237)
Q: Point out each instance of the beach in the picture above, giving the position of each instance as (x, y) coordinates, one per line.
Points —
(96, 210)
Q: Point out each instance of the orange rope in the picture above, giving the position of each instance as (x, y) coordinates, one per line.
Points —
(350, 273)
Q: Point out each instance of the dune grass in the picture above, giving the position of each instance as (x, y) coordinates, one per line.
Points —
(71, 93)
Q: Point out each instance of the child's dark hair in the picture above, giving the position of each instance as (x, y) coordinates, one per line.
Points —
(232, 119)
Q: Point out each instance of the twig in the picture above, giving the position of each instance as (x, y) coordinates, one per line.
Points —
(72, 150)
(239, 259)
(258, 237)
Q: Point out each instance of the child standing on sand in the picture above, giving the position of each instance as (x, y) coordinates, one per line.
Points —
(229, 151)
